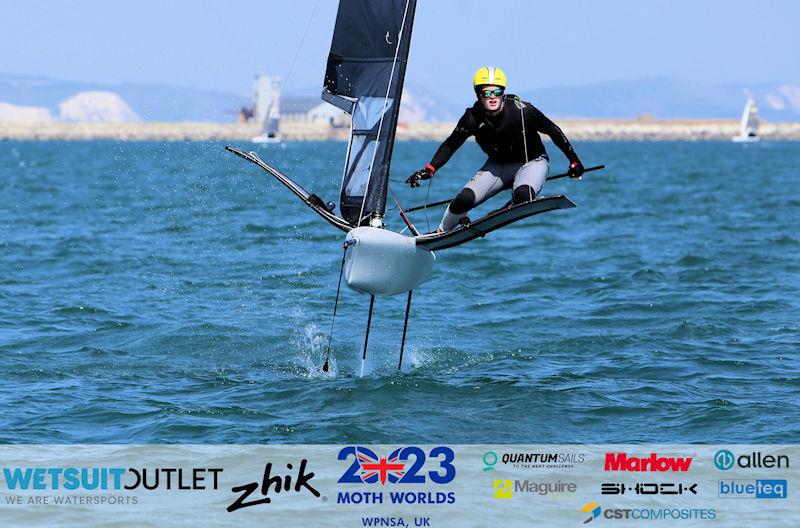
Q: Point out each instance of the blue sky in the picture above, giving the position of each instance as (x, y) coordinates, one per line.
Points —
(220, 45)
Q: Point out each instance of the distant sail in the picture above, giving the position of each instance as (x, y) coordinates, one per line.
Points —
(364, 77)
(272, 121)
(749, 125)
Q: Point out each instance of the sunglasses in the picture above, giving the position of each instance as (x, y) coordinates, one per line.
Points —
(497, 92)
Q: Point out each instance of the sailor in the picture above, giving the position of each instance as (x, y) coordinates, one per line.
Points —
(507, 130)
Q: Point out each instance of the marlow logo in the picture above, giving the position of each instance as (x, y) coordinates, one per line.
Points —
(503, 489)
(621, 462)
(594, 508)
(725, 460)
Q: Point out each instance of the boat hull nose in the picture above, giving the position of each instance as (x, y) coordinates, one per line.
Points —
(382, 262)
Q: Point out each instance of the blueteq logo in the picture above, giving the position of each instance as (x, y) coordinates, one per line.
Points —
(753, 489)
(402, 466)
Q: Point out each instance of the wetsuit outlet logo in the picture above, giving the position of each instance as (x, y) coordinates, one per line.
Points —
(622, 462)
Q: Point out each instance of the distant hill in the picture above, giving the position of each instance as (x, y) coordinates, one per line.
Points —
(667, 99)
(660, 98)
(151, 102)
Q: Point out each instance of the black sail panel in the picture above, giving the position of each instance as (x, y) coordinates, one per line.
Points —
(364, 75)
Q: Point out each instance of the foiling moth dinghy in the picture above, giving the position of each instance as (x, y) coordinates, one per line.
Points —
(364, 77)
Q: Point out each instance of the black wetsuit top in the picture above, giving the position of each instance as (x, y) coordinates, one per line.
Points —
(500, 136)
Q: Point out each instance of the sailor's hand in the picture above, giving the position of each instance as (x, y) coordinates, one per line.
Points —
(422, 174)
(575, 169)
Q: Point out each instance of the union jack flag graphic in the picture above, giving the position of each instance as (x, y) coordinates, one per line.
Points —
(380, 469)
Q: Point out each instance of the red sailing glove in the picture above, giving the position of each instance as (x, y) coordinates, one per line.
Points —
(422, 174)
(575, 169)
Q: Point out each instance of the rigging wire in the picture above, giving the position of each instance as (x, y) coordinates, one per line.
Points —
(296, 54)
(335, 306)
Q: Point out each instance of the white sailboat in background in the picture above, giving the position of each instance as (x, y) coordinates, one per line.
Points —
(267, 108)
(271, 132)
(748, 129)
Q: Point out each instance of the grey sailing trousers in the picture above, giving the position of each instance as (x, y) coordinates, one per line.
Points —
(494, 177)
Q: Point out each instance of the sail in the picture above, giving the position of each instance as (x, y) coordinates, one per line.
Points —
(364, 77)
(749, 125)
(272, 121)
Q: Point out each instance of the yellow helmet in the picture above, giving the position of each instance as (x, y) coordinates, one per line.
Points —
(489, 75)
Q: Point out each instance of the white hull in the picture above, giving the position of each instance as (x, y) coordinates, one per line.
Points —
(265, 139)
(382, 262)
(746, 139)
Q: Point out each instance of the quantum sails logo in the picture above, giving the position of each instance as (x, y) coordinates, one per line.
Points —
(400, 469)
(533, 460)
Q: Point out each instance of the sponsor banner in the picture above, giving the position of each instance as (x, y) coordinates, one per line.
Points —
(399, 485)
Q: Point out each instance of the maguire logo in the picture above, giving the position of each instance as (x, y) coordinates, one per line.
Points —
(621, 462)
(725, 460)
(595, 510)
(503, 489)
(753, 489)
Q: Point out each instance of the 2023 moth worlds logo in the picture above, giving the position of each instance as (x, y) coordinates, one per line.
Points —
(624, 462)
(403, 465)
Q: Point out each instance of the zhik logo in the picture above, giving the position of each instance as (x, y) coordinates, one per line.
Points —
(278, 483)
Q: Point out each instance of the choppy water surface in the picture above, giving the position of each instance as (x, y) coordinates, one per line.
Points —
(173, 293)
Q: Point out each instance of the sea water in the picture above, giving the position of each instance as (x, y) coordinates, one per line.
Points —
(171, 292)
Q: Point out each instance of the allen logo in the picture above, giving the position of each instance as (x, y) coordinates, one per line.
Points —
(503, 489)
(725, 460)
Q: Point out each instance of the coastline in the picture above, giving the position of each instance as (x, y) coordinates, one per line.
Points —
(576, 129)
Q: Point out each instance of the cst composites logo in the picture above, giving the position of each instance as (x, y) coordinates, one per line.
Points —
(403, 466)
(725, 460)
(595, 511)
(625, 462)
